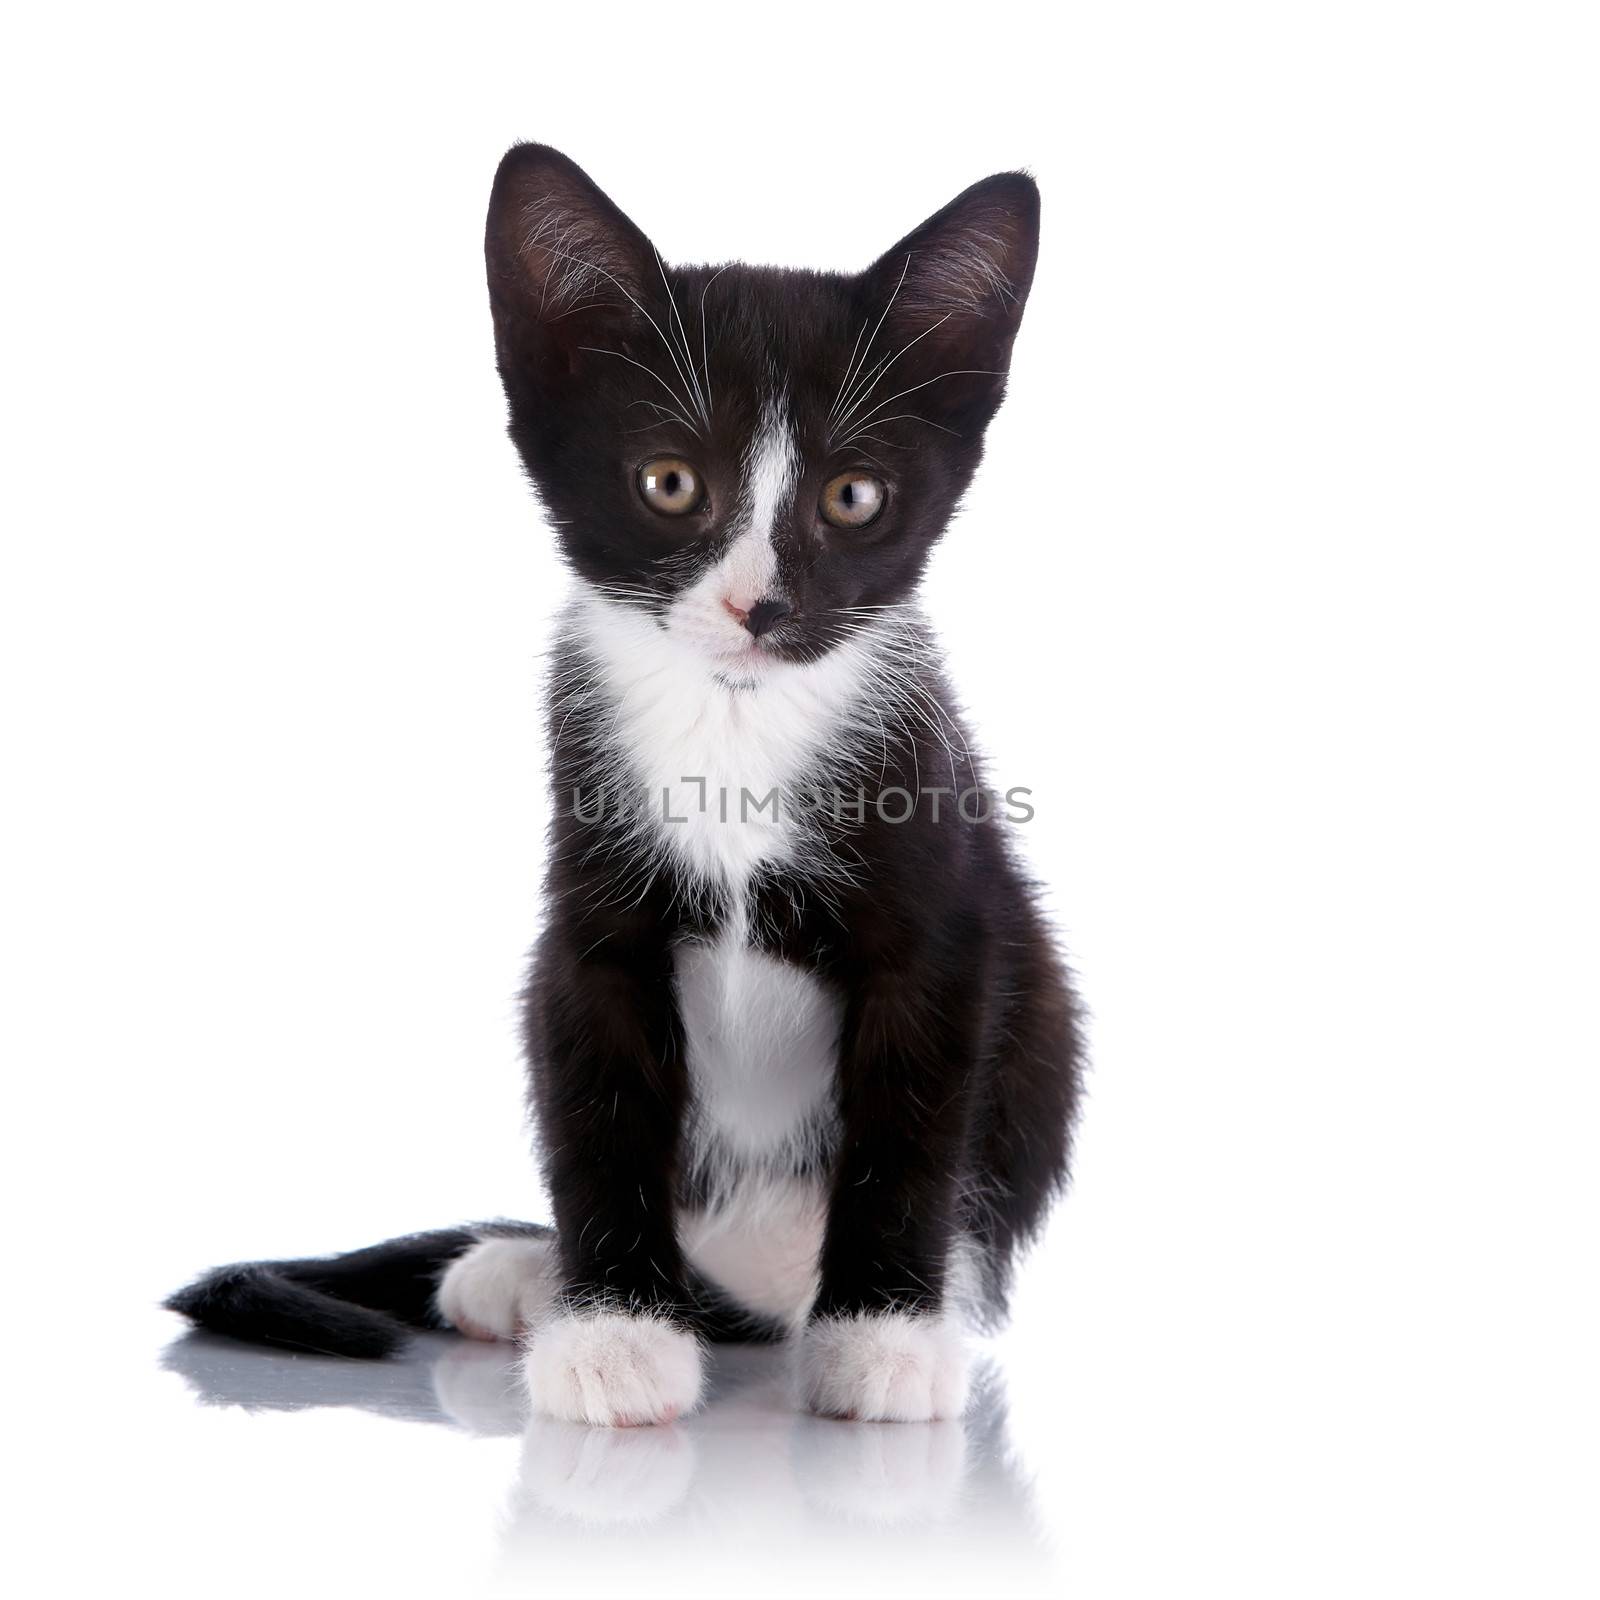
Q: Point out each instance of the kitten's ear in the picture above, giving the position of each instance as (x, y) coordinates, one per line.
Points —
(951, 292)
(566, 267)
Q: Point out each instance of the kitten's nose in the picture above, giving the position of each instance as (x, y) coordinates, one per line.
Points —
(765, 615)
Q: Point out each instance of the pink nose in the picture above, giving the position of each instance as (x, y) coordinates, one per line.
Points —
(762, 617)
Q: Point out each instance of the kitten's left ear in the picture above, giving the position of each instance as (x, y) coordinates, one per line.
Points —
(951, 292)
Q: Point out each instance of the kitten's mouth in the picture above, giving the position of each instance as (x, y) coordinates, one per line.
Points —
(743, 666)
(741, 651)
(733, 656)
(757, 660)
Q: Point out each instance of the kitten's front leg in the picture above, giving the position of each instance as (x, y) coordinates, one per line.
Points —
(607, 1062)
(884, 1339)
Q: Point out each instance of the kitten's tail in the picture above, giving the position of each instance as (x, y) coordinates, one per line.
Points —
(362, 1303)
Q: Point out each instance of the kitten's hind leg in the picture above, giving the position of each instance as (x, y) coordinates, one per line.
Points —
(503, 1286)
(602, 1366)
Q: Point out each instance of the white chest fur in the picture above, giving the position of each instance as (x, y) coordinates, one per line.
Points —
(706, 752)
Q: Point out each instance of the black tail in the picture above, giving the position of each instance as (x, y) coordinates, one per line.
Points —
(361, 1304)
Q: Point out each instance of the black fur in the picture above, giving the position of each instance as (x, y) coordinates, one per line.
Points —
(958, 1067)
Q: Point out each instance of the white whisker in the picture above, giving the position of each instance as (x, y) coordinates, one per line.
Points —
(955, 372)
(886, 310)
(594, 349)
(705, 359)
(693, 378)
(866, 394)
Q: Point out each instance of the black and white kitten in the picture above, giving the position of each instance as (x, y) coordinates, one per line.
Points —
(803, 1058)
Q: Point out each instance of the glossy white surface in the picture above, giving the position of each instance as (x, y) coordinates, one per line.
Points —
(746, 1492)
(1253, 1443)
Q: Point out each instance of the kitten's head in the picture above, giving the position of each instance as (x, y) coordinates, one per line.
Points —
(761, 459)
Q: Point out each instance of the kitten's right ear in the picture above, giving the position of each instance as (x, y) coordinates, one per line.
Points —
(566, 268)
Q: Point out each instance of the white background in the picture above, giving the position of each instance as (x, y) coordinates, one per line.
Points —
(1276, 587)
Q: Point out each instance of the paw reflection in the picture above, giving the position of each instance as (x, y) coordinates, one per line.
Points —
(479, 1388)
(883, 1473)
(748, 1478)
(603, 1477)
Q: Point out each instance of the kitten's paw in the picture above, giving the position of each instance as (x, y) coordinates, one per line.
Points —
(499, 1287)
(613, 1369)
(883, 1366)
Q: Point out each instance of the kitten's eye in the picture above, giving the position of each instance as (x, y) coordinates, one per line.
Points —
(852, 500)
(670, 486)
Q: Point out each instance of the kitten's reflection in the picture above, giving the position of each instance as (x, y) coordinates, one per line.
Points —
(745, 1470)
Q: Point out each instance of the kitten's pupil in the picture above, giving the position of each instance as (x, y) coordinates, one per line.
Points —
(670, 483)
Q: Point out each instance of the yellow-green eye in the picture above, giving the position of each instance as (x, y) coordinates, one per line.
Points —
(670, 486)
(853, 499)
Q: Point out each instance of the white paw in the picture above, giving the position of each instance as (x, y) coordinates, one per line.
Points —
(884, 1366)
(499, 1287)
(613, 1369)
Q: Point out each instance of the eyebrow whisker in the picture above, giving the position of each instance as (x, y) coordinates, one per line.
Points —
(886, 310)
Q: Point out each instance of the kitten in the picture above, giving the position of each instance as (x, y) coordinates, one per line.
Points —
(803, 1058)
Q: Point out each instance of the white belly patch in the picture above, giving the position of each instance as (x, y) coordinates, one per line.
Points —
(762, 1248)
(762, 1036)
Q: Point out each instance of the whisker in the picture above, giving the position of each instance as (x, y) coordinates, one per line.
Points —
(855, 350)
(589, 266)
(955, 372)
(665, 411)
(865, 394)
(683, 339)
(904, 416)
(886, 310)
(595, 349)
(705, 360)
